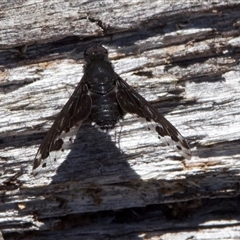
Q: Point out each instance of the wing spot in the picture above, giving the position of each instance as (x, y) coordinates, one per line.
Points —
(58, 145)
(178, 147)
(174, 138)
(44, 165)
(160, 131)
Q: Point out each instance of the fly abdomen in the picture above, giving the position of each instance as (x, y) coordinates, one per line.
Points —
(105, 110)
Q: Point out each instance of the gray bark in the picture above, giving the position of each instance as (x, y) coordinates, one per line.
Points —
(181, 56)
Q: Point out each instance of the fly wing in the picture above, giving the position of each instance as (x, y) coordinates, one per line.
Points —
(75, 111)
(132, 102)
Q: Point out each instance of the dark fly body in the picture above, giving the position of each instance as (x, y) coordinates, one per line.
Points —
(104, 97)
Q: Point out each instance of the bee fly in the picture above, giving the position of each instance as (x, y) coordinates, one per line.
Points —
(104, 97)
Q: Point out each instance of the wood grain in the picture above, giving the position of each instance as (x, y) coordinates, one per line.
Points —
(181, 56)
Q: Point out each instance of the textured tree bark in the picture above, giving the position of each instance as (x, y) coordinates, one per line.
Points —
(181, 56)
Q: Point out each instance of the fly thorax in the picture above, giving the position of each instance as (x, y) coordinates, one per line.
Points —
(101, 77)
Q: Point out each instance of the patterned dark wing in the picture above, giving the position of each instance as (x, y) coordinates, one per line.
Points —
(131, 102)
(75, 111)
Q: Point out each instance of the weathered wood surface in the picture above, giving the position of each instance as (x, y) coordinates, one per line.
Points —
(184, 58)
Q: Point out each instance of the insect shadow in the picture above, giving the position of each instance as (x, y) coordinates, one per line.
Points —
(94, 156)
